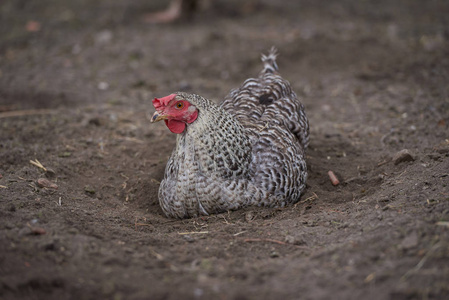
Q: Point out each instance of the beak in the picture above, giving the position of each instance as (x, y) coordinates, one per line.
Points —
(157, 116)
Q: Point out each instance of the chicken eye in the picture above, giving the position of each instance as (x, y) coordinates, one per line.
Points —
(179, 105)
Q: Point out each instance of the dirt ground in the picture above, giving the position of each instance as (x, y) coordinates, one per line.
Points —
(76, 83)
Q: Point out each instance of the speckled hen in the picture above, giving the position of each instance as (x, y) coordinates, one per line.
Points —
(248, 150)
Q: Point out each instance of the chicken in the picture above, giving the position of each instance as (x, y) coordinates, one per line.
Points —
(248, 150)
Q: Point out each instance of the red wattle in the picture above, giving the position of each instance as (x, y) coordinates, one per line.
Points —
(175, 126)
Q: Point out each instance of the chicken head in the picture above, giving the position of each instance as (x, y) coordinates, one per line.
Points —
(175, 111)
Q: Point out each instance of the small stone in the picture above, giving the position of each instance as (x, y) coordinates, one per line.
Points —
(103, 86)
(295, 240)
(33, 26)
(384, 199)
(45, 183)
(38, 230)
(435, 156)
(289, 239)
(89, 189)
(410, 241)
(65, 154)
(188, 238)
(274, 254)
(129, 250)
(311, 223)
(103, 36)
(403, 156)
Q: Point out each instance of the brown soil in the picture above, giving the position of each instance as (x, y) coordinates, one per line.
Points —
(75, 91)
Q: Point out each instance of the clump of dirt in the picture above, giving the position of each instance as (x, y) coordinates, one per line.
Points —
(80, 165)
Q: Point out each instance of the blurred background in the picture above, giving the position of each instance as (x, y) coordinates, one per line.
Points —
(72, 52)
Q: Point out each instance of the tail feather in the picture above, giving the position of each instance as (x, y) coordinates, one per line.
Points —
(269, 61)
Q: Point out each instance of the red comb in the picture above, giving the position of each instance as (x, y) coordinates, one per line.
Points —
(158, 102)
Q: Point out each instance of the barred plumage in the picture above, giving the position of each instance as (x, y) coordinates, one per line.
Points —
(249, 150)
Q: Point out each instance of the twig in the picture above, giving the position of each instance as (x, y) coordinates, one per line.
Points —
(30, 112)
(141, 224)
(382, 139)
(157, 255)
(125, 183)
(401, 174)
(315, 196)
(443, 223)
(193, 232)
(226, 221)
(384, 162)
(38, 164)
(197, 224)
(273, 241)
(3, 187)
(239, 233)
(155, 181)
